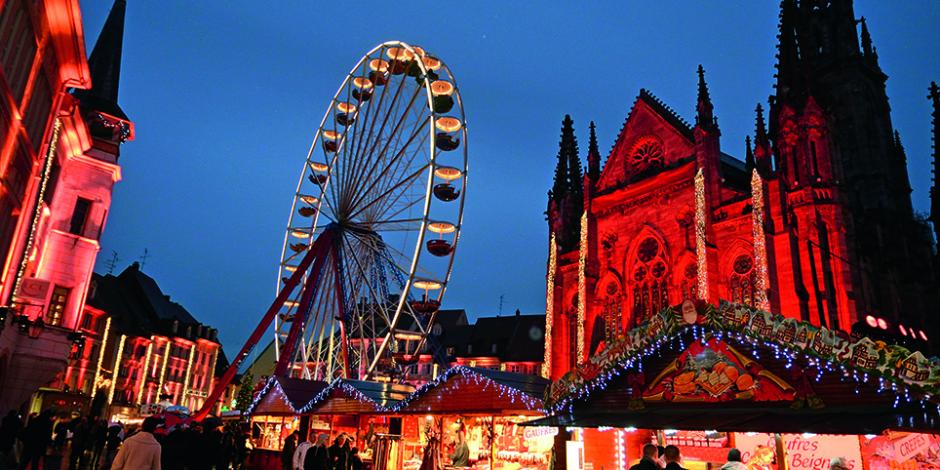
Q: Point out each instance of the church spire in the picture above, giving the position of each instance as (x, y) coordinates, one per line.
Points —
(105, 65)
(866, 39)
(593, 157)
(569, 147)
(934, 192)
(761, 143)
(788, 56)
(703, 108)
(560, 184)
(748, 154)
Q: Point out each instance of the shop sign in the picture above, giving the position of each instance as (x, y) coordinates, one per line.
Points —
(805, 452)
(317, 423)
(911, 445)
(535, 432)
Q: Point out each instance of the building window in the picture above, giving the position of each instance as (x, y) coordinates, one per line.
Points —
(79, 216)
(741, 283)
(612, 312)
(88, 322)
(60, 297)
(650, 293)
(689, 281)
(17, 46)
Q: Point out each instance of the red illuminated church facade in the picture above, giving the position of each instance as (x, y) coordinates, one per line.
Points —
(814, 223)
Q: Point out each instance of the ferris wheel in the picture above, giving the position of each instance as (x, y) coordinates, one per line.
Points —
(375, 220)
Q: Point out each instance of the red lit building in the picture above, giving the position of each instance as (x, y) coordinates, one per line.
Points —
(814, 223)
(141, 346)
(61, 129)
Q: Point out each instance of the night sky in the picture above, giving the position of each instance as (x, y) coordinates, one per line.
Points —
(226, 97)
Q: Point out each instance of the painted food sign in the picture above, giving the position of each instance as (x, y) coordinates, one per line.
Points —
(712, 371)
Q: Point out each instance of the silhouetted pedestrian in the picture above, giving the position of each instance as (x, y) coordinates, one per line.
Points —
(36, 438)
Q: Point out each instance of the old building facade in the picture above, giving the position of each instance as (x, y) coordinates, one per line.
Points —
(61, 130)
(814, 223)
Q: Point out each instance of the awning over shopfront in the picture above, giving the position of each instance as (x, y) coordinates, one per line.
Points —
(471, 390)
(345, 396)
(739, 369)
(283, 396)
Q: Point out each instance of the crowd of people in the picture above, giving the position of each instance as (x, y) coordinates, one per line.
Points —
(669, 458)
(301, 453)
(91, 444)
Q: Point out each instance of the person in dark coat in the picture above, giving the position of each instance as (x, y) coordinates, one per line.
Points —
(355, 463)
(287, 452)
(36, 438)
(9, 429)
(672, 458)
(648, 462)
(318, 456)
(81, 439)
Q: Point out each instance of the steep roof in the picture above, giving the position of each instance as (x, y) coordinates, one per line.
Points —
(105, 65)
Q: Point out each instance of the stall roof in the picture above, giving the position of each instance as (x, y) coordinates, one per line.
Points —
(736, 368)
(285, 396)
(345, 396)
(472, 390)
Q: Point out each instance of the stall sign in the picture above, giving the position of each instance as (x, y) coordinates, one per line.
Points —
(911, 445)
(317, 423)
(535, 432)
(805, 452)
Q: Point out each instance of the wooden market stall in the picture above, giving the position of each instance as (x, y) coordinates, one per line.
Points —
(364, 411)
(734, 375)
(275, 414)
(486, 409)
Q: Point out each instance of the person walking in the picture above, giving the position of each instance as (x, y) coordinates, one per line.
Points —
(301, 453)
(672, 458)
(648, 461)
(140, 451)
(734, 461)
(36, 438)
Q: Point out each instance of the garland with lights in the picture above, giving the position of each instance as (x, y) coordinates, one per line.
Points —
(117, 365)
(144, 373)
(271, 383)
(104, 343)
(760, 247)
(582, 289)
(701, 254)
(896, 368)
(531, 403)
(345, 387)
(549, 306)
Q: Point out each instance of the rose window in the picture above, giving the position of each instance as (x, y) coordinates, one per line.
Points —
(647, 153)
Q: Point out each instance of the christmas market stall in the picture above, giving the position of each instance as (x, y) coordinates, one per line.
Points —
(275, 414)
(363, 411)
(472, 417)
(708, 379)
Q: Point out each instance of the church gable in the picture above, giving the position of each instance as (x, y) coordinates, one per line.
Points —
(652, 138)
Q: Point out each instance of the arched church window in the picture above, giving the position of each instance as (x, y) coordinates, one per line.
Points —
(742, 280)
(613, 312)
(689, 281)
(573, 332)
(650, 293)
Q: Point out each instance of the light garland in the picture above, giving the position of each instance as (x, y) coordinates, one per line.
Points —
(211, 372)
(189, 368)
(582, 289)
(760, 247)
(166, 357)
(117, 365)
(529, 402)
(343, 386)
(549, 306)
(37, 211)
(701, 253)
(621, 453)
(104, 344)
(271, 383)
(144, 373)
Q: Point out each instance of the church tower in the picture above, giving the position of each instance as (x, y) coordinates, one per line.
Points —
(832, 136)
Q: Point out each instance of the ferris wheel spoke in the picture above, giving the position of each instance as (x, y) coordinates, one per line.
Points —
(390, 190)
(379, 300)
(367, 183)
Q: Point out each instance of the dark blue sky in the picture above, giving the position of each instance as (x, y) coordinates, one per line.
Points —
(226, 97)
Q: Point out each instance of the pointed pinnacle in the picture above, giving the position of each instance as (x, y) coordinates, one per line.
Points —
(702, 86)
(749, 163)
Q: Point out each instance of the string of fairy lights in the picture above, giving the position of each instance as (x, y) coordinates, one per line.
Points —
(582, 289)
(701, 254)
(469, 375)
(760, 248)
(549, 306)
